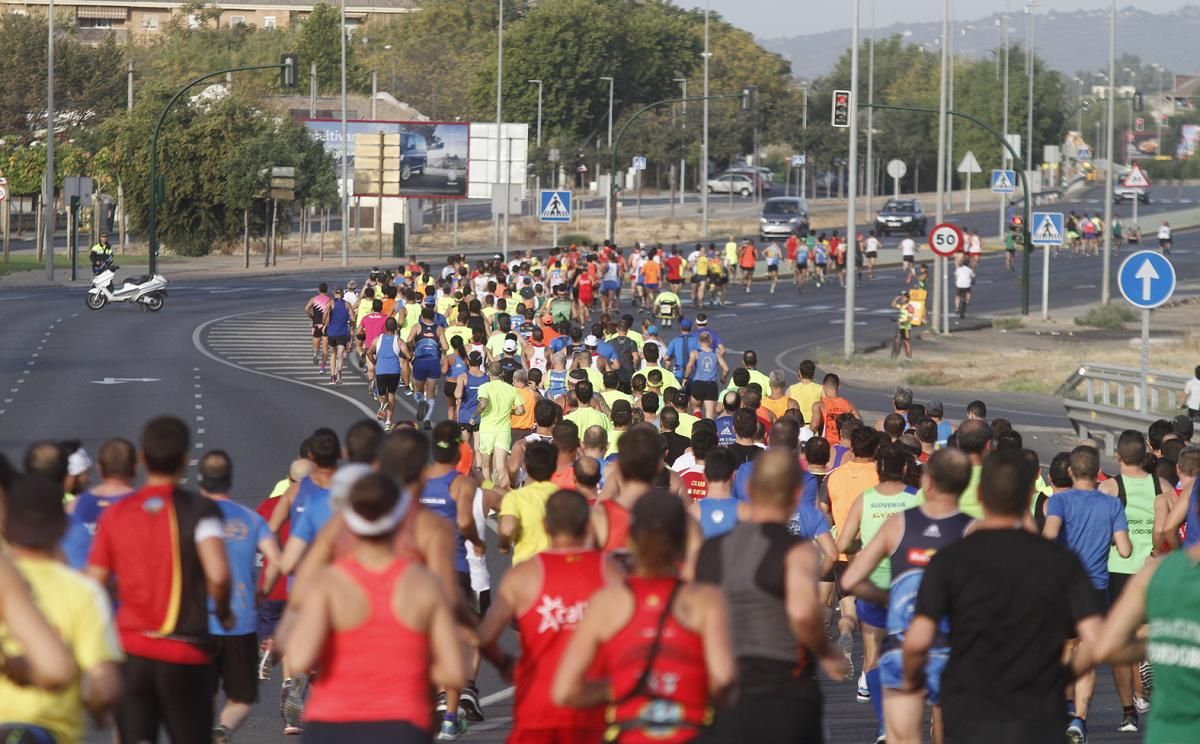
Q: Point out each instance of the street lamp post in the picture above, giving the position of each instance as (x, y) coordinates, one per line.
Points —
(702, 175)
(1128, 138)
(345, 152)
(851, 247)
(1004, 113)
(1029, 6)
(870, 190)
(609, 204)
(804, 129)
(500, 118)
(538, 178)
(1106, 272)
(1158, 104)
(683, 159)
(48, 183)
(940, 205)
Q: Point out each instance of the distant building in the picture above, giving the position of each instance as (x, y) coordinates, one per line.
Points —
(98, 20)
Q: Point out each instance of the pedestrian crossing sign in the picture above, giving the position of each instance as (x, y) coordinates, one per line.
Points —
(1047, 228)
(1004, 181)
(555, 206)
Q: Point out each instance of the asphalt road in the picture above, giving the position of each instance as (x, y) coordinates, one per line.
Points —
(231, 358)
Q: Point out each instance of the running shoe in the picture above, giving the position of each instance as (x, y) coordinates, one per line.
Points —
(1077, 732)
(451, 730)
(422, 409)
(1129, 724)
(846, 641)
(221, 735)
(315, 359)
(265, 658)
(1146, 672)
(1141, 705)
(441, 704)
(469, 702)
(427, 425)
(864, 692)
(333, 379)
(322, 368)
(881, 737)
(379, 415)
(292, 696)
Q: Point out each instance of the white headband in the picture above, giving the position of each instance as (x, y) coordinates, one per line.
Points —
(364, 527)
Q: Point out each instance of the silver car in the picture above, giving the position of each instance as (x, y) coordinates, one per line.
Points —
(783, 216)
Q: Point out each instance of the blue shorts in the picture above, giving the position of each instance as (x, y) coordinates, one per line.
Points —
(426, 368)
(871, 614)
(610, 286)
(651, 287)
(269, 615)
(891, 671)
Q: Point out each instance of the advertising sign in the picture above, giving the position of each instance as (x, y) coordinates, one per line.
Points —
(400, 158)
(1189, 136)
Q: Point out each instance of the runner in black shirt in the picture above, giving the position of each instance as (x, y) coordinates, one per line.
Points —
(1012, 600)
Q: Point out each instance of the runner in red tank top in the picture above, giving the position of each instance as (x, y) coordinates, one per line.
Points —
(831, 405)
(546, 596)
(352, 616)
(654, 649)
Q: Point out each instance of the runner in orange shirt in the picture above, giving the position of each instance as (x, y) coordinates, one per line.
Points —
(747, 259)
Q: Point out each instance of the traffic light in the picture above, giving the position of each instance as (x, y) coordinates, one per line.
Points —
(841, 108)
(1138, 103)
(288, 63)
(748, 95)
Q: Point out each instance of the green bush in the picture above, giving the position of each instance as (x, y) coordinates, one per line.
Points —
(1109, 317)
(576, 238)
(1006, 324)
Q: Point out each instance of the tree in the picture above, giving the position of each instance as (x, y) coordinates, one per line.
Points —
(320, 41)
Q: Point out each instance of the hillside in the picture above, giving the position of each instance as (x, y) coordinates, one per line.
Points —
(1070, 42)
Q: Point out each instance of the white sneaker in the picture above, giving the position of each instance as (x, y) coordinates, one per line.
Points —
(1142, 705)
(864, 692)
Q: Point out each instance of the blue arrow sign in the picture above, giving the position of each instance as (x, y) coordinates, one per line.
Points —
(554, 206)
(1146, 279)
(1004, 181)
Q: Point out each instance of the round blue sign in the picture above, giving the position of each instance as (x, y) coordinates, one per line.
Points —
(1146, 279)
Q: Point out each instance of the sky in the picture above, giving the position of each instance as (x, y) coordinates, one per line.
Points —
(775, 18)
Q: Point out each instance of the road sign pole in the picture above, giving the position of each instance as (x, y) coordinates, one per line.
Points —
(1045, 283)
(74, 216)
(968, 191)
(1144, 404)
(554, 234)
(1135, 207)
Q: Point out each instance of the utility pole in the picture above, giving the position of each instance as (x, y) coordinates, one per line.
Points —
(1004, 158)
(803, 128)
(48, 184)
(851, 246)
(500, 106)
(940, 210)
(702, 171)
(345, 153)
(683, 160)
(1106, 273)
(870, 191)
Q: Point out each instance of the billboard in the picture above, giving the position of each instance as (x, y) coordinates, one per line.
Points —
(1189, 135)
(1141, 145)
(415, 159)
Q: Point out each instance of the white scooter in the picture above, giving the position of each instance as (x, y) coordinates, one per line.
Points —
(149, 291)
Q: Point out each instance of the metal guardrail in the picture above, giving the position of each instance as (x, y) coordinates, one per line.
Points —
(1111, 400)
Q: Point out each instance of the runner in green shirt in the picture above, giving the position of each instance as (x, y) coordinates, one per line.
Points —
(498, 401)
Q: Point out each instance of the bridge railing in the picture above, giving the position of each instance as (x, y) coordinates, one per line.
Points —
(1103, 400)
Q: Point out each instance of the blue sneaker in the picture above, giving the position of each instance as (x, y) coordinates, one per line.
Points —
(451, 730)
(1077, 731)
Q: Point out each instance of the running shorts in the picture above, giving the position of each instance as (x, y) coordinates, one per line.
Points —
(702, 390)
(521, 735)
(365, 732)
(748, 270)
(477, 601)
(336, 341)
(268, 617)
(651, 287)
(152, 698)
(387, 384)
(835, 574)
(450, 388)
(318, 329)
(891, 671)
(27, 733)
(426, 368)
(697, 279)
(910, 259)
(772, 268)
(871, 614)
(491, 440)
(904, 333)
(236, 659)
(610, 286)
(1116, 584)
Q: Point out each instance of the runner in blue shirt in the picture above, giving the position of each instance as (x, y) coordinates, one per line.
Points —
(680, 348)
(1088, 522)
(117, 462)
(235, 650)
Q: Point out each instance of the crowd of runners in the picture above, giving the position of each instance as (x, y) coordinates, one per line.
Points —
(693, 546)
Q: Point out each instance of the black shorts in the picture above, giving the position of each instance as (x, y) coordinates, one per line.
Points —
(236, 658)
(1102, 600)
(479, 602)
(962, 292)
(387, 384)
(318, 330)
(336, 341)
(519, 434)
(177, 697)
(904, 333)
(910, 259)
(773, 269)
(788, 715)
(365, 732)
(748, 271)
(450, 389)
(697, 279)
(268, 617)
(835, 573)
(702, 390)
(1116, 585)
(872, 255)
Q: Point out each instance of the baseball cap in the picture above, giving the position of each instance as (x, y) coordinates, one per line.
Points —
(527, 293)
(431, 300)
(685, 324)
(351, 284)
(591, 341)
(78, 462)
(935, 406)
(652, 330)
(510, 346)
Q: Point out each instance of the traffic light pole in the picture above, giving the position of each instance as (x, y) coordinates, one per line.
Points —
(155, 186)
(1017, 161)
(616, 144)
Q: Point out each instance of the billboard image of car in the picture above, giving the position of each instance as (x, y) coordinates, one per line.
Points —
(399, 158)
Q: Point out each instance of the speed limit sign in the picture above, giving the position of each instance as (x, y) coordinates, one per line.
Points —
(945, 239)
